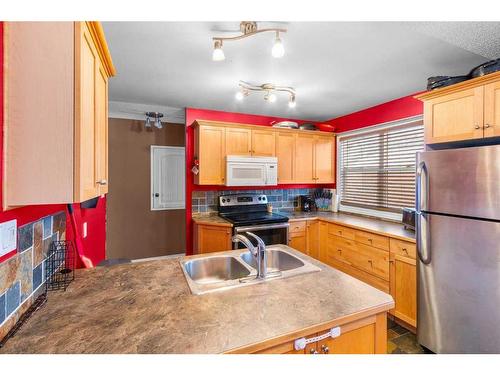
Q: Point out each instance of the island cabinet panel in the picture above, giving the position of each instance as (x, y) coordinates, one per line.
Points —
(238, 141)
(312, 235)
(492, 109)
(263, 143)
(465, 111)
(210, 149)
(285, 152)
(55, 134)
(403, 286)
(323, 241)
(211, 238)
(363, 336)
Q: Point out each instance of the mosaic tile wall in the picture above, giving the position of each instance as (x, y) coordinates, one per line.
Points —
(281, 199)
(22, 275)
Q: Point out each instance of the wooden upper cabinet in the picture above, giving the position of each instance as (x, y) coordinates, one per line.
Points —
(263, 143)
(324, 157)
(465, 111)
(56, 108)
(304, 158)
(238, 141)
(492, 109)
(210, 150)
(285, 152)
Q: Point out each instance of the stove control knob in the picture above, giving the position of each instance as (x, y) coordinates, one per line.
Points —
(228, 200)
(223, 200)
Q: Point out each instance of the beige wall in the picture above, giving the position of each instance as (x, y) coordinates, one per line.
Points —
(133, 230)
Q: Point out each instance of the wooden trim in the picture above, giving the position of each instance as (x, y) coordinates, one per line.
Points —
(101, 45)
(269, 343)
(469, 84)
(381, 333)
(5, 121)
(260, 127)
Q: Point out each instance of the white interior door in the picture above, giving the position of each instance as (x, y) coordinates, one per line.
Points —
(168, 178)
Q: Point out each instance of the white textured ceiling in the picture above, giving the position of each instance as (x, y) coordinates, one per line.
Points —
(335, 67)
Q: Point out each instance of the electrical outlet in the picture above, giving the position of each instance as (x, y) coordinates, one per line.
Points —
(8, 237)
(84, 234)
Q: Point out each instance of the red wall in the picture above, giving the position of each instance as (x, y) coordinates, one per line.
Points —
(385, 112)
(94, 243)
(193, 114)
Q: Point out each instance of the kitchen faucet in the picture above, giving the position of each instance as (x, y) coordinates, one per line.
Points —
(259, 253)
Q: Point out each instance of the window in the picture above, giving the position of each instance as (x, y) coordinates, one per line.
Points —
(377, 168)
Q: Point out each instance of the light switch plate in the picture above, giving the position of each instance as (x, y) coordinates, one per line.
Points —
(8, 237)
(84, 234)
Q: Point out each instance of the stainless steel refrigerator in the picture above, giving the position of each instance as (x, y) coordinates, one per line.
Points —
(458, 243)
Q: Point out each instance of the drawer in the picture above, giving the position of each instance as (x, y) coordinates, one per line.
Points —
(403, 248)
(341, 231)
(375, 240)
(297, 226)
(340, 249)
(371, 260)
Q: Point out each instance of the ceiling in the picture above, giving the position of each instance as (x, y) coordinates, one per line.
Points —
(335, 67)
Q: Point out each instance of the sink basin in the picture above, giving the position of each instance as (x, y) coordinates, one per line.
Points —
(215, 269)
(277, 260)
(237, 268)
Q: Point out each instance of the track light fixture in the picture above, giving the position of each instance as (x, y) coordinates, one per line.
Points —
(247, 29)
(270, 90)
(153, 118)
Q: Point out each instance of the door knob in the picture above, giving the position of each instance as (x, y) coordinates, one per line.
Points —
(157, 195)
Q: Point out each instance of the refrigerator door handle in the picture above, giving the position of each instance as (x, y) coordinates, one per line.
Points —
(423, 238)
(422, 188)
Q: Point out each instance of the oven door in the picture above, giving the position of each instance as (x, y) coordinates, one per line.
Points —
(271, 234)
(245, 174)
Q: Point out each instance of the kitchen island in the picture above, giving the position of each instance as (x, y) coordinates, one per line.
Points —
(147, 307)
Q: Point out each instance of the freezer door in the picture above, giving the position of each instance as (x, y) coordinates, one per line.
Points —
(463, 182)
(458, 284)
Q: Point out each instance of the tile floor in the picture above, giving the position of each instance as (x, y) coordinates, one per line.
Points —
(401, 341)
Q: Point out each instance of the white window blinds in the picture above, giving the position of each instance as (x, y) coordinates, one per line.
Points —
(377, 169)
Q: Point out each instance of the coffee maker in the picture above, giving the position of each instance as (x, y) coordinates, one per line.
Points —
(306, 203)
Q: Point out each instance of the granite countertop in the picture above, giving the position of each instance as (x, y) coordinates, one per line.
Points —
(389, 228)
(147, 307)
(211, 219)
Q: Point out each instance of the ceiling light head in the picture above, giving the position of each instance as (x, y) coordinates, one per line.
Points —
(292, 103)
(218, 53)
(270, 97)
(148, 122)
(158, 123)
(278, 50)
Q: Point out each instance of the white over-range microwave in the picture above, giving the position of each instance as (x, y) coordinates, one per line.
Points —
(251, 171)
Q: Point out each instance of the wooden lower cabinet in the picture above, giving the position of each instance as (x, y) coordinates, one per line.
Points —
(312, 237)
(323, 241)
(298, 241)
(363, 336)
(211, 238)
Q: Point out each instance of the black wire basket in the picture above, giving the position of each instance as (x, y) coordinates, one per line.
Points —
(60, 265)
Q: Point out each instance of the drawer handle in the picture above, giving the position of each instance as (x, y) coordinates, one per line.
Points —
(340, 232)
(370, 240)
(339, 250)
(371, 262)
(404, 249)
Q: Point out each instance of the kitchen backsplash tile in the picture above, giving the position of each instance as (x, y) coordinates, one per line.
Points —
(206, 201)
(22, 274)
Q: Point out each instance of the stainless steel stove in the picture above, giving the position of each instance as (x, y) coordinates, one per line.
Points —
(248, 213)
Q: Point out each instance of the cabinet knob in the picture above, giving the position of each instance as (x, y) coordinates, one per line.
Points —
(102, 182)
(477, 127)
(325, 349)
(487, 126)
(313, 351)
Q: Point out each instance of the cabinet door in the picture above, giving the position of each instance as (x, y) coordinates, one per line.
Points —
(492, 110)
(403, 287)
(211, 155)
(454, 117)
(324, 160)
(263, 143)
(212, 238)
(285, 151)
(86, 124)
(323, 241)
(101, 105)
(298, 241)
(312, 234)
(238, 141)
(356, 341)
(304, 159)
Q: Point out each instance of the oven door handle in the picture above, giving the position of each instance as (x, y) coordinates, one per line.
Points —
(261, 227)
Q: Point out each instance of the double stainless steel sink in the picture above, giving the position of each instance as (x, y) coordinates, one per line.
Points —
(231, 269)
